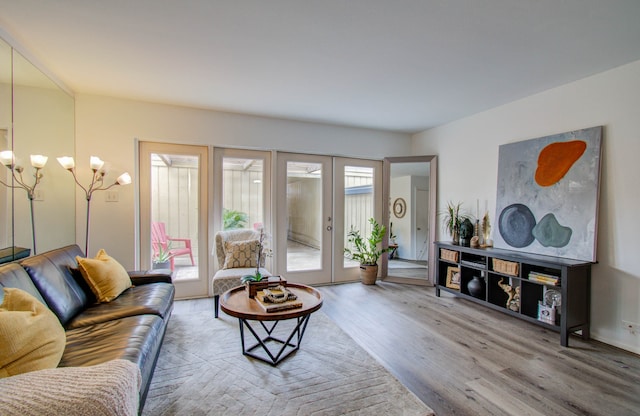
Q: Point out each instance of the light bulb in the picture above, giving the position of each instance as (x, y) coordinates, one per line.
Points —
(7, 158)
(96, 163)
(124, 179)
(67, 162)
(38, 161)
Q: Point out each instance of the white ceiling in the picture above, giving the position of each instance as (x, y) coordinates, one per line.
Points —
(386, 64)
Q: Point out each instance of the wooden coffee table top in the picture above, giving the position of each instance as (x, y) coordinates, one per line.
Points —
(237, 303)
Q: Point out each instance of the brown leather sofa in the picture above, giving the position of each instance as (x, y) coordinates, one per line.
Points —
(130, 327)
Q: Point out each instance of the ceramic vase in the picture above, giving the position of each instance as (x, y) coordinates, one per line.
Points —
(476, 287)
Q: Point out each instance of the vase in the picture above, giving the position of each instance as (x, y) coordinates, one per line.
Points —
(369, 274)
(456, 237)
(475, 287)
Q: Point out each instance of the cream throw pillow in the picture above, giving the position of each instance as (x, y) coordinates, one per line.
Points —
(31, 336)
(240, 254)
(104, 275)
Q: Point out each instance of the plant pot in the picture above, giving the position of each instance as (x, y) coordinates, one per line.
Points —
(161, 265)
(369, 273)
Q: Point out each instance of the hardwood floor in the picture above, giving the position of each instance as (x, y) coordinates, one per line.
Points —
(463, 359)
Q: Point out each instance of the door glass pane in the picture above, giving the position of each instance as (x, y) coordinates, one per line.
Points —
(242, 193)
(358, 203)
(304, 216)
(174, 214)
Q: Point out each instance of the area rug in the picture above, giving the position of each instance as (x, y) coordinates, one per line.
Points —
(202, 371)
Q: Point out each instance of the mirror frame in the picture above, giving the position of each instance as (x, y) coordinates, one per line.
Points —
(386, 212)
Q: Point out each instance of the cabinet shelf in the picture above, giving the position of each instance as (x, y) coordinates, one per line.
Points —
(509, 289)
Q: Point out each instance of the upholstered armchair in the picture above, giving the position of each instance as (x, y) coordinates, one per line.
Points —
(236, 252)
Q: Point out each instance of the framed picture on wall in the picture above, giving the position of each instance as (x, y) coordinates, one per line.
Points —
(548, 192)
(453, 278)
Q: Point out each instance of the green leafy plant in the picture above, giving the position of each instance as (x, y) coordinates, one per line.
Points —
(453, 218)
(366, 250)
(163, 255)
(232, 219)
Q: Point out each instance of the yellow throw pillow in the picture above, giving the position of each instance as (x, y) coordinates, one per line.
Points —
(240, 254)
(31, 336)
(104, 275)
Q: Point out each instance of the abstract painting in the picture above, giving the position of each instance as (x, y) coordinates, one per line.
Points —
(547, 196)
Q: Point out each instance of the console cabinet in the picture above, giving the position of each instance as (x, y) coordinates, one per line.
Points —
(548, 291)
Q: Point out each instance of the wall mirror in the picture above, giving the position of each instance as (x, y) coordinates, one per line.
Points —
(410, 216)
(36, 118)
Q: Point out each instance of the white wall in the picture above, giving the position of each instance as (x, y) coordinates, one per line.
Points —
(468, 155)
(106, 127)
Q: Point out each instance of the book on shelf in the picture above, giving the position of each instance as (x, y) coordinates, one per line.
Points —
(472, 263)
(268, 306)
(544, 278)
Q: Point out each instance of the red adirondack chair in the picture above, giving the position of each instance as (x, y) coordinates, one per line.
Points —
(159, 238)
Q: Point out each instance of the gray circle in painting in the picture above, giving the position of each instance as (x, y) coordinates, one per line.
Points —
(515, 224)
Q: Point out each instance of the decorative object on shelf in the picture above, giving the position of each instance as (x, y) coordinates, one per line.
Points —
(475, 241)
(7, 158)
(453, 278)
(546, 313)
(513, 301)
(476, 287)
(449, 255)
(514, 304)
(96, 184)
(552, 297)
(486, 231)
(367, 250)
(506, 267)
(466, 232)
(399, 207)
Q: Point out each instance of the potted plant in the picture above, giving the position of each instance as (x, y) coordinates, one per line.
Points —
(452, 220)
(162, 259)
(233, 220)
(367, 250)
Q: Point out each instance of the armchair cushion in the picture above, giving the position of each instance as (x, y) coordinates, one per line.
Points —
(240, 254)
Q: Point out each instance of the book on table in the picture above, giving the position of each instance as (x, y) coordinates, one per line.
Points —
(269, 306)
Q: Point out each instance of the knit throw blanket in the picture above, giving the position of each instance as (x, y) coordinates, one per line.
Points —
(111, 388)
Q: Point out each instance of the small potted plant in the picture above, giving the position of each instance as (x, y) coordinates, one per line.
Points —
(162, 259)
(367, 250)
(452, 220)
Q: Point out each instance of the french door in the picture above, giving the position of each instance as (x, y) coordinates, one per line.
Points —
(173, 213)
(318, 199)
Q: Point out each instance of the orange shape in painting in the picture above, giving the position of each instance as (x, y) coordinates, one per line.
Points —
(555, 160)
